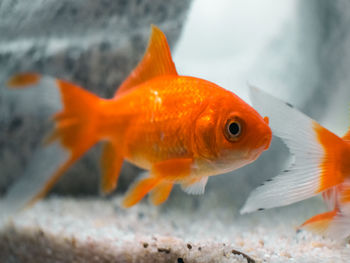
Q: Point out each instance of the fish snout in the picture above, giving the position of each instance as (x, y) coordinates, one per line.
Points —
(265, 135)
(267, 142)
(266, 138)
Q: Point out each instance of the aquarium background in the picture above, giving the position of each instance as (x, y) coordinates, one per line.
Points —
(297, 50)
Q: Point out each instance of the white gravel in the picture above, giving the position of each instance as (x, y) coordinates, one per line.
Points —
(99, 230)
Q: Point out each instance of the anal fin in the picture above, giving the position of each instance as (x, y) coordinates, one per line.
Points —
(161, 192)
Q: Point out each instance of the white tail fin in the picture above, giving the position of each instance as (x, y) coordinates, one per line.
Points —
(302, 179)
(39, 171)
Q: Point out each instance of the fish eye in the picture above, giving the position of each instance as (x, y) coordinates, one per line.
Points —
(233, 129)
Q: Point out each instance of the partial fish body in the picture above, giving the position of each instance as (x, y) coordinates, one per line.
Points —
(181, 129)
(321, 164)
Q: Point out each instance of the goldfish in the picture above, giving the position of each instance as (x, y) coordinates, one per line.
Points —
(181, 129)
(320, 164)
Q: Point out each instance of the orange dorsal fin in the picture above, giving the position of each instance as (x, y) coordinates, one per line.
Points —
(346, 137)
(156, 61)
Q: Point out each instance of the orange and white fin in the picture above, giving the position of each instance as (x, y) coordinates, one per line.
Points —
(161, 192)
(312, 170)
(73, 135)
(320, 223)
(111, 163)
(194, 186)
(156, 61)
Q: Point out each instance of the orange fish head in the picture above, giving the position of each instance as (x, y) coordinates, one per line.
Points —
(230, 134)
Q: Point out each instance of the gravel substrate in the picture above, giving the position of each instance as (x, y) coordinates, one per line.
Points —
(99, 230)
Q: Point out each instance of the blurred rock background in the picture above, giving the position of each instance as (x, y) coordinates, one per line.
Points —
(297, 50)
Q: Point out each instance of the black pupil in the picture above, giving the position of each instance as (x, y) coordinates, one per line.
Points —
(234, 128)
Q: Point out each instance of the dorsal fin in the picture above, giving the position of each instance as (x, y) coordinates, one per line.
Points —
(346, 137)
(156, 61)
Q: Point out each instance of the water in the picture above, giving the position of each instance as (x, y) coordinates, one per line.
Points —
(296, 50)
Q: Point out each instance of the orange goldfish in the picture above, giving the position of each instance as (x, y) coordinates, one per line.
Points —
(321, 164)
(181, 129)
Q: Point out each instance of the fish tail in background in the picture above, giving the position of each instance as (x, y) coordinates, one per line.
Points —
(316, 152)
(74, 133)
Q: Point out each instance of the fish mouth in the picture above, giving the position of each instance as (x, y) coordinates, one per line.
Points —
(267, 142)
(266, 139)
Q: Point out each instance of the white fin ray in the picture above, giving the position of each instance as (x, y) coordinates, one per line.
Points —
(196, 188)
(41, 167)
(301, 180)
